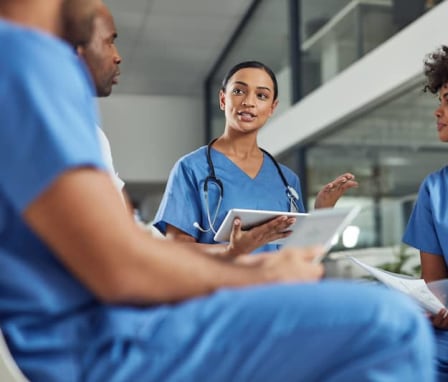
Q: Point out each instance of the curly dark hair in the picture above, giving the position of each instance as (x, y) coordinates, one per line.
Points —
(436, 70)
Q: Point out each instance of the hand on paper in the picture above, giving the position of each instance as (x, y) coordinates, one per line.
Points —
(245, 241)
(331, 192)
(440, 320)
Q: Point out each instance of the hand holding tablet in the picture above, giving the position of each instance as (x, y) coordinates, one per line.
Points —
(318, 227)
(252, 218)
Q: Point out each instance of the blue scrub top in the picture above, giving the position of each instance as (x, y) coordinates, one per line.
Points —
(184, 201)
(42, 135)
(427, 229)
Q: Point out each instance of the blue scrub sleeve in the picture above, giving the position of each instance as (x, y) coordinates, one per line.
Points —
(421, 232)
(55, 133)
(181, 205)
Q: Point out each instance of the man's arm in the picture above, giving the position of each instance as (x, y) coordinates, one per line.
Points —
(80, 217)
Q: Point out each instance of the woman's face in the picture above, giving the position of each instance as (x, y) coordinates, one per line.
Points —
(441, 114)
(248, 100)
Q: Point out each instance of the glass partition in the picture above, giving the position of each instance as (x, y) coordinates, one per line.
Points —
(265, 39)
(333, 35)
(336, 36)
(390, 149)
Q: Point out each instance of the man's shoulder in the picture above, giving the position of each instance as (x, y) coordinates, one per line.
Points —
(34, 56)
(20, 41)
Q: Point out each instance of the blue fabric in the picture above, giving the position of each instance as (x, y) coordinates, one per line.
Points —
(332, 331)
(427, 230)
(43, 89)
(442, 355)
(57, 330)
(184, 201)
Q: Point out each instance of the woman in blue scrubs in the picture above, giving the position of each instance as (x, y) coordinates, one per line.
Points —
(427, 228)
(236, 173)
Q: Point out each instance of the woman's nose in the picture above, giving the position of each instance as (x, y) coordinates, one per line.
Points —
(248, 101)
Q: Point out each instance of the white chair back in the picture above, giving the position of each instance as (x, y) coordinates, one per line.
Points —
(9, 371)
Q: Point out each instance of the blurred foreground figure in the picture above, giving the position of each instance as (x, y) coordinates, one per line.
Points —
(86, 295)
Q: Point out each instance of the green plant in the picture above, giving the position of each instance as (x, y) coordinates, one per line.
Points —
(401, 258)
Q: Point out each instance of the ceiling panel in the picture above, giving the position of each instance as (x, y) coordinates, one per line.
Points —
(168, 46)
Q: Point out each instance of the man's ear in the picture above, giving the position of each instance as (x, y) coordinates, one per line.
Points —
(80, 50)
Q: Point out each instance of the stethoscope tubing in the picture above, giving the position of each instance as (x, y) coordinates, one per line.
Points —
(292, 194)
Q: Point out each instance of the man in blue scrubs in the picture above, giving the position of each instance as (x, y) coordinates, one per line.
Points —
(86, 295)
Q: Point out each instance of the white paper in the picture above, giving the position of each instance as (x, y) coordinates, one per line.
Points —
(320, 227)
(416, 288)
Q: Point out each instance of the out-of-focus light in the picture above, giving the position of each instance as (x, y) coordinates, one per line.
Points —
(350, 236)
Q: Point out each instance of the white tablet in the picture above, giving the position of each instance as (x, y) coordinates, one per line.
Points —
(252, 218)
(320, 227)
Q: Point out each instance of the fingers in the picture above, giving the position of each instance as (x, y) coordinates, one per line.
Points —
(245, 241)
(295, 264)
(274, 229)
(342, 183)
(440, 320)
(236, 224)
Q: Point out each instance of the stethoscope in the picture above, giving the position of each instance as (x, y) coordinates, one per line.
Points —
(291, 193)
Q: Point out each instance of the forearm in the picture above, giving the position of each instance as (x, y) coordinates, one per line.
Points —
(81, 219)
(161, 271)
(222, 251)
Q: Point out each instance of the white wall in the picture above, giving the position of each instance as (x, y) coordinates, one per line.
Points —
(149, 133)
(380, 73)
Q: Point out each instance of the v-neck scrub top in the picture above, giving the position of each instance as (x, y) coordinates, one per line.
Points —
(184, 201)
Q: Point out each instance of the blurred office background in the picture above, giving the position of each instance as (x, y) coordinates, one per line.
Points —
(350, 95)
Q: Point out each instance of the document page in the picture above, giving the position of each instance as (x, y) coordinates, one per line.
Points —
(416, 288)
(320, 227)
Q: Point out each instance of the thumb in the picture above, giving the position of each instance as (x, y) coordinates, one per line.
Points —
(236, 227)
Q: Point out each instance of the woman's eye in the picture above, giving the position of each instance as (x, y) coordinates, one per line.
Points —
(263, 96)
(237, 91)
